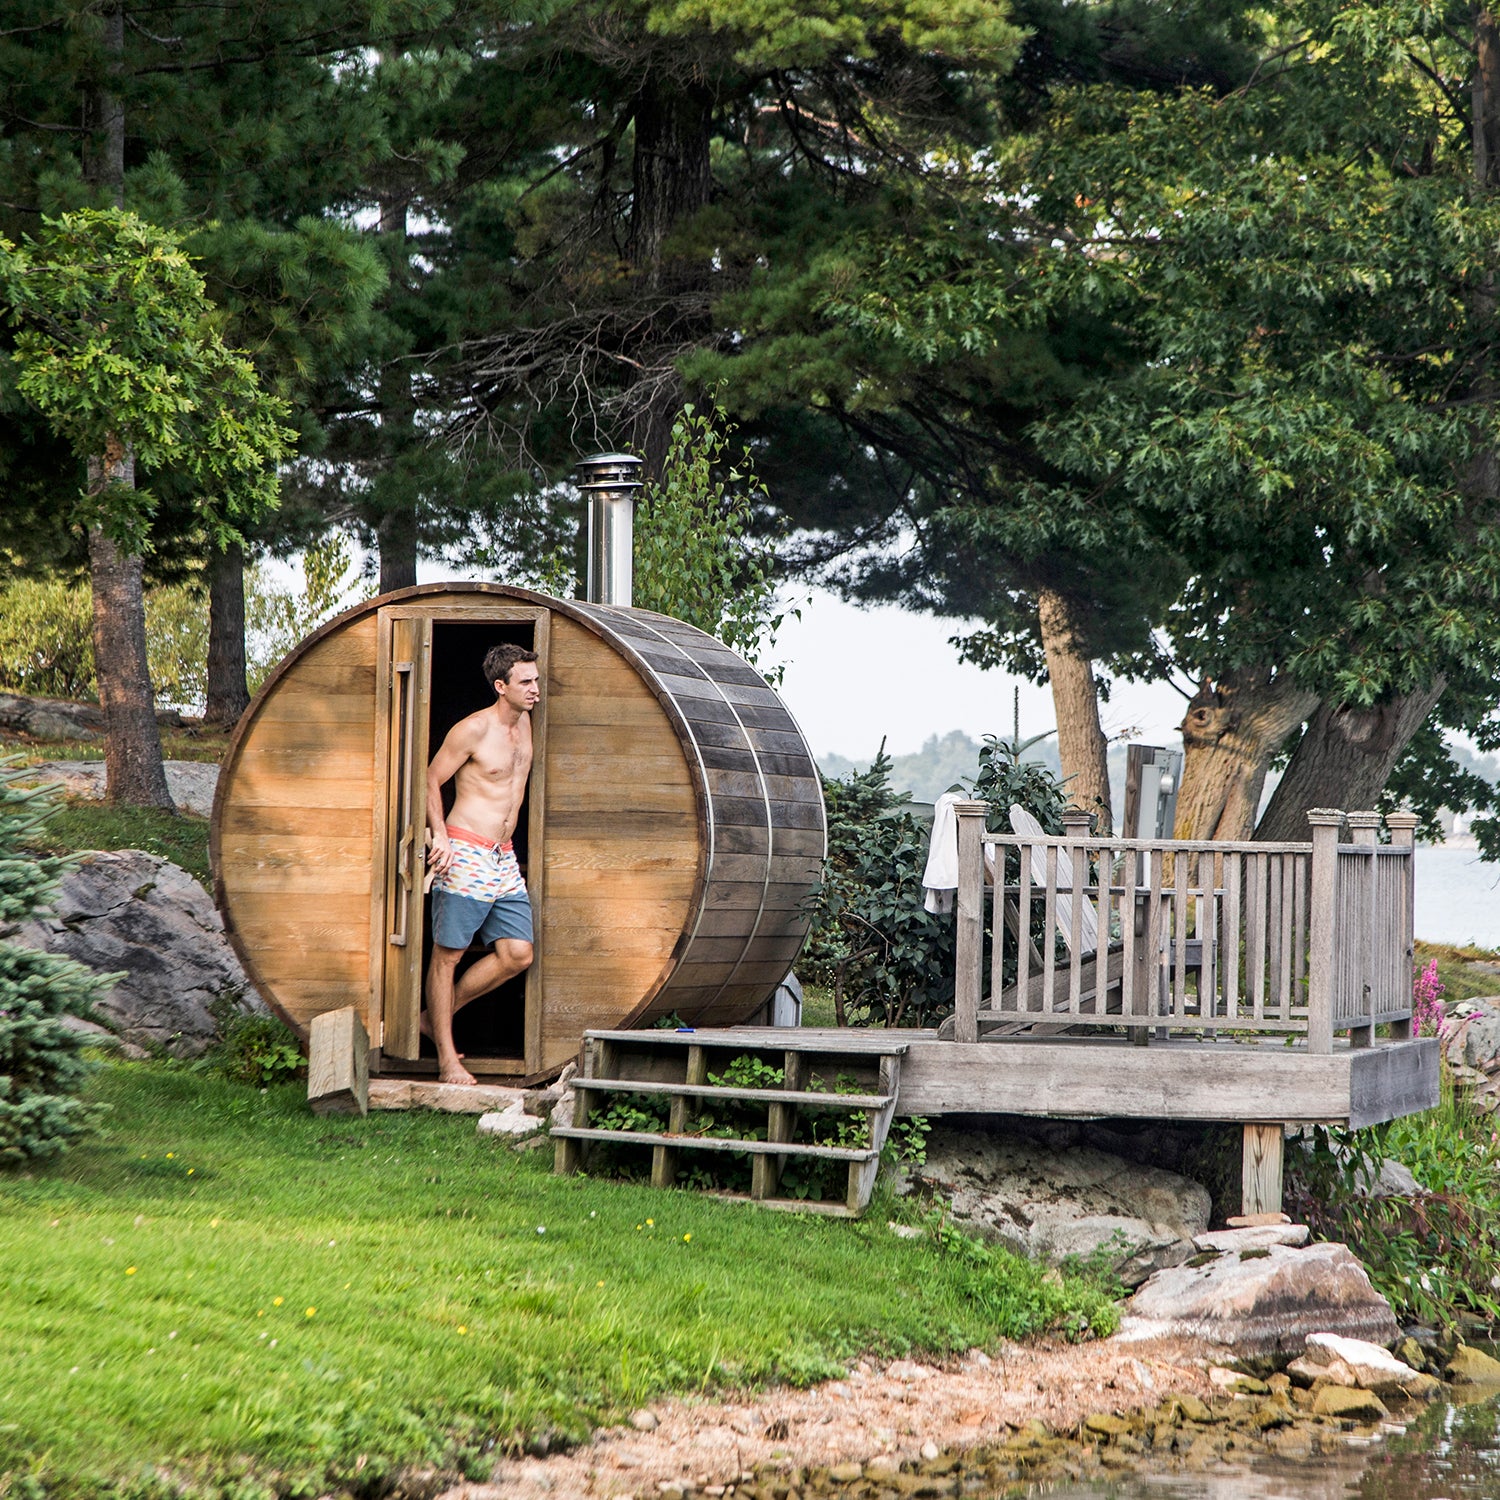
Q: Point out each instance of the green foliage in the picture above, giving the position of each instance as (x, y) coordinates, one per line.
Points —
(907, 1139)
(888, 961)
(1435, 1254)
(42, 1067)
(259, 1050)
(1076, 1309)
(74, 827)
(748, 1072)
(115, 345)
(696, 557)
(277, 618)
(46, 640)
(643, 1112)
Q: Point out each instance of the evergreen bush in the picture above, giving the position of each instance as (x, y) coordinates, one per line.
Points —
(42, 1063)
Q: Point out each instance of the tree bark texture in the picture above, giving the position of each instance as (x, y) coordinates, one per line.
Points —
(1344, 760)
(398, 550)
(132, 742)
(1075, 699)
(1231, 733)
(396, 528)
(671, 178)
(133, 767)
(228, 691)
(104, 114)
(1485, 87)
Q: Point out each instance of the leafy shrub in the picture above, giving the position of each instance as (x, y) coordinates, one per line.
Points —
(696, 555)
(259, 1050)
(887, 960)
(42, 1066)
(46, 629)
(1434, 1255)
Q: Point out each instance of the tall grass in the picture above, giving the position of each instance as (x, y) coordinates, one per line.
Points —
(224, 1282)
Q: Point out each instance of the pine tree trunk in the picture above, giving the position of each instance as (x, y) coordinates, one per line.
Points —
(1075, 699)
(398, 550)
(396, 528)
(228, 692)
(133, 769)
(1232, 731)
(1344, 760)
(671, 178)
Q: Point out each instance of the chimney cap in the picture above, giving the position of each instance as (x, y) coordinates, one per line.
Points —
(608, 471)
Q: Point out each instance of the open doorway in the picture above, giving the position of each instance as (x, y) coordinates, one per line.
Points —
(491, 1031)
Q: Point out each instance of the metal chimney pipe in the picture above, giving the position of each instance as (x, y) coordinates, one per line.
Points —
(611, 482)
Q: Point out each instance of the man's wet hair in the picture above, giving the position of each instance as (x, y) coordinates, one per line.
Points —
(499, 660)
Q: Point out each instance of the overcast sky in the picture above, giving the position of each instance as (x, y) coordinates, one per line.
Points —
(854, 674)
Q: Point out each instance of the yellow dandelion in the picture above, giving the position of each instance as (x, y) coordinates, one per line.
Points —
(651, 1223)
(686, 1238)
(277, 1301)
(462, 1329)
(191, 1170)
(130, 1270)
(171, 1155)
(312, 1312)
(260, 1312)
(601, 1283)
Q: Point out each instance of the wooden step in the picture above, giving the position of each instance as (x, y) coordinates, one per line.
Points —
(814, 1098)
(609, 1054)
(718, 1143)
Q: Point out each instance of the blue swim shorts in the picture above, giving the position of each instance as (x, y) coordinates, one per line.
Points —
(456, 919)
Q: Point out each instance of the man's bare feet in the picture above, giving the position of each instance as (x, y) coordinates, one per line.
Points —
(455, 1072)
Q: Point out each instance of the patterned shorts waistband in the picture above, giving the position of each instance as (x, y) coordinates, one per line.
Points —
(463, 835)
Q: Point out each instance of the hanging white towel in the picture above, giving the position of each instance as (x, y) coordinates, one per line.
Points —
(940, 879)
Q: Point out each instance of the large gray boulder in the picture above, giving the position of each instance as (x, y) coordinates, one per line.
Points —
(1262, 1302)
(191, 782)
(138, 913)
(1051, 1201)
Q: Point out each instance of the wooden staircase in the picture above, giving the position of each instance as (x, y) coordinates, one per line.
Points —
(817, 1076)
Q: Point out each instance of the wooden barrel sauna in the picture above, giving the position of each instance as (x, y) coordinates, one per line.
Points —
(672, 831)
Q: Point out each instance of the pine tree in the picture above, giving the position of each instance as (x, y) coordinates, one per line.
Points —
(42, 1066)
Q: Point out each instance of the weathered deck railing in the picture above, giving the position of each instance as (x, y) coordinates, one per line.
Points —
(1164, 935)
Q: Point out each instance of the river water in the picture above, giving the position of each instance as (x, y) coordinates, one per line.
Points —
(1458, 897)
(1451, 1452)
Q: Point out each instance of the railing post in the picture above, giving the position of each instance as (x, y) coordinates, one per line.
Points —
(968, 957)
(1360, 946)
(1403, 826)
(1322, 924)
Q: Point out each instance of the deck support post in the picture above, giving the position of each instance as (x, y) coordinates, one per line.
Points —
(1322, 922)
(969, 938)
(1403, 827)
(1260, 1169)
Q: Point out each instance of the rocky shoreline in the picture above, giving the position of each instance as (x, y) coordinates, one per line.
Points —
(1030, 1417)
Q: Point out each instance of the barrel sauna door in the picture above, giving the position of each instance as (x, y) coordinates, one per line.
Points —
(431, 676)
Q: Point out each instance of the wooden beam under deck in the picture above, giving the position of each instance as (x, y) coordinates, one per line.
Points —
(1244, 1082)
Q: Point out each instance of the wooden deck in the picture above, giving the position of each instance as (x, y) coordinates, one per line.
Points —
(1247, 1082)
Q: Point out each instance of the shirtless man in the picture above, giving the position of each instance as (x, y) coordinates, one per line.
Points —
(479, 888)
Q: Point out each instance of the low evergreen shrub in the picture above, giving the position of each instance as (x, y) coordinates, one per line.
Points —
(42, 1062)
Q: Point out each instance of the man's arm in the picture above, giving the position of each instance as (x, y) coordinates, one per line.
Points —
(455, 750)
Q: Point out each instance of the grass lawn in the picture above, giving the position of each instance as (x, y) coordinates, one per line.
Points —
(76, 824)
(222, 1282)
